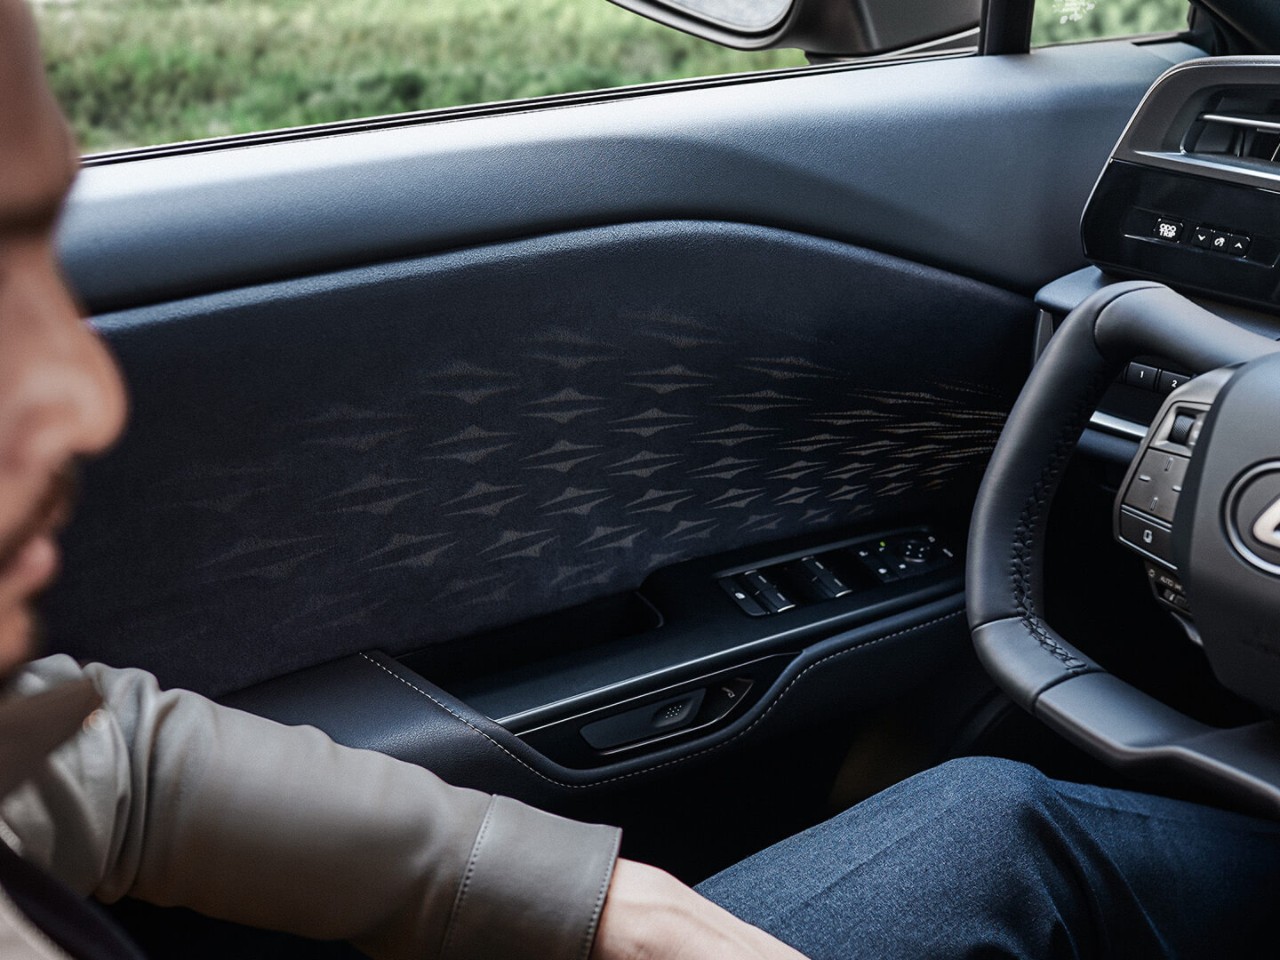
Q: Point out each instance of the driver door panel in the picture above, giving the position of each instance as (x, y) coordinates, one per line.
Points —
(397, 390)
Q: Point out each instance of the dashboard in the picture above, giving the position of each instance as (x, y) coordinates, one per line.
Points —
(1191, 193)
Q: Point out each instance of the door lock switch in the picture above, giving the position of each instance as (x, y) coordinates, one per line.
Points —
(742, 597)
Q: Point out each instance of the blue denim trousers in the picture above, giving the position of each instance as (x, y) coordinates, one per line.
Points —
(990, 858)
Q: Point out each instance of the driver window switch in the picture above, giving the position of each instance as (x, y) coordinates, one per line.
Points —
(765, 592)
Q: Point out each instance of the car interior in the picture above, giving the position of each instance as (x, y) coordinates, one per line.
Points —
(705, 457)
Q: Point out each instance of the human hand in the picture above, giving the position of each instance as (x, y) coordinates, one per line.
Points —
(650, 915)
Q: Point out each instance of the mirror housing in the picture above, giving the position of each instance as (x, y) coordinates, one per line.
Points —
(845, 28)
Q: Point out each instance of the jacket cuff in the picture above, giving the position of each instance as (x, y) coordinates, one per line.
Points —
(533, 888)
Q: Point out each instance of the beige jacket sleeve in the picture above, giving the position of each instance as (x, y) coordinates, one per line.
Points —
(170, 798)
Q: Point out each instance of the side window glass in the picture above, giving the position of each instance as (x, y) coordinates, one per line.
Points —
(1064, 21)
(133, 73)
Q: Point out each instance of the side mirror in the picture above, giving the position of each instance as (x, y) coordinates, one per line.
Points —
(850, 28)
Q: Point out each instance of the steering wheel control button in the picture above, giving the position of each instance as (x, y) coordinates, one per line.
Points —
(1253, 517)
(1168, 589)
(1168, 381)
(1141, 375)
(1147, 536)
(1156, 484)
(1180, 429)
(1167, 229)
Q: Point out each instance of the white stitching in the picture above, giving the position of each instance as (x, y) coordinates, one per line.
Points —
(464, 720)
(667, 763)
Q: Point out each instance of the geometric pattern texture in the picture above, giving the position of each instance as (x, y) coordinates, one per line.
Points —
(401, 455)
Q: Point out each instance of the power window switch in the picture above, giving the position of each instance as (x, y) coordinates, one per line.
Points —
(822, 580)
(766, 592)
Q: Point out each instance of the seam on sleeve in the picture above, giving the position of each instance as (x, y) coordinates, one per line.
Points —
(465, 885)
(589, 935)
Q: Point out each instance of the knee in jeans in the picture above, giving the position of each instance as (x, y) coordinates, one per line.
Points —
(1001, 793)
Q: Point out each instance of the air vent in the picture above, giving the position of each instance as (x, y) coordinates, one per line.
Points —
(1246, 130)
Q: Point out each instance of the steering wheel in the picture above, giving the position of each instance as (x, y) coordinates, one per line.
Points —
(1201, 501)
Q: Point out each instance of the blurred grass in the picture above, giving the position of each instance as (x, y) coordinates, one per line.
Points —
(137, 72)
(1063, 21)
(131, 72)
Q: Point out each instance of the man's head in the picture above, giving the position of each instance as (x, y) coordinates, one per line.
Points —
(60, 393)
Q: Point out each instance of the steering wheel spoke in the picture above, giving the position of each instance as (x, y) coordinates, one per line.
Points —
(1188, 492)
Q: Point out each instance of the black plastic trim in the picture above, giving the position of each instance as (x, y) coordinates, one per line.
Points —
(703, 632)
(371, 701)
(1006, 27)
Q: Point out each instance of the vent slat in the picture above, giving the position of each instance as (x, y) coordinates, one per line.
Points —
(1249, 122)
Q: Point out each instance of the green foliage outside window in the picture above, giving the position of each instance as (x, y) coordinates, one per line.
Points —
(132, 72)
(136, 72)
(1063, 21)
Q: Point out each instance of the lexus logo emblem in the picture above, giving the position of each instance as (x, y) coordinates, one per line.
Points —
(1266, 529)
(1252, 515)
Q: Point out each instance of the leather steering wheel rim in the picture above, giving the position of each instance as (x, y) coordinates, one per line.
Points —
(1037, 668)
